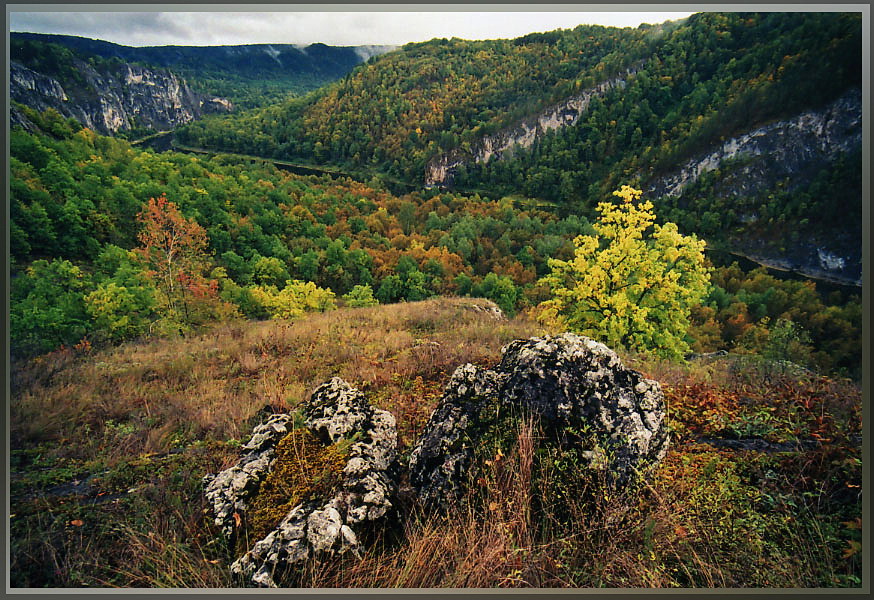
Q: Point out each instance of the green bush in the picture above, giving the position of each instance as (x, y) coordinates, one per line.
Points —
(48, 307)
(360, 296)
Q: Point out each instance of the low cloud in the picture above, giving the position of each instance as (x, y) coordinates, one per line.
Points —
(335, 28)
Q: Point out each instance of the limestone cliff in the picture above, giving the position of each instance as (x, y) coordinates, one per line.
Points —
(112, 100)
(787, 151)
(441, 168)
(776, 150)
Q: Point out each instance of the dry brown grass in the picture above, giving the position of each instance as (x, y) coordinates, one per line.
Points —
(708, 517)
(506, 534)
(212, 385)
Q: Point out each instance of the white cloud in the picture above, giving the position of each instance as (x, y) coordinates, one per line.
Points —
(334, 28)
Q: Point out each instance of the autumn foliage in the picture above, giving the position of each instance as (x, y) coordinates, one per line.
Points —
(174, 251)
(632, 284)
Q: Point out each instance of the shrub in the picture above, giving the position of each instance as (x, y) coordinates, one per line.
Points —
(360, 296)
(294, 300)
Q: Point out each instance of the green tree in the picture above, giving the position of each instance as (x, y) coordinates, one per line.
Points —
(118, 313)
(269, 270)
(122, 304)
(240, 297)
(237, 267)
(47, 308)
(415, 286)
(632, 284)
(390, 290)
(464, 284)
(360, 296)
(501, 290)
(787, 341)
(308, 265)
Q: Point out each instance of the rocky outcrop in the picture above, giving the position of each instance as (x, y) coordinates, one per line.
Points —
(579, 389)
(585, 400)
(810, 258)
(25, 82)
(489, 309)
(784, 154)
(229, 492)
(776, 150)
(17, 118)
(109, 101)
(336, 412)
(441, 168)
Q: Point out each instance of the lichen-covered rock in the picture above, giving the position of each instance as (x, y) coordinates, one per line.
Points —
(336, 413)
(229, 491)
(573, 384)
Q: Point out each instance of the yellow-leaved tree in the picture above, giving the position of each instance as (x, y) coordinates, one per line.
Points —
(632, 284)
(294, 300)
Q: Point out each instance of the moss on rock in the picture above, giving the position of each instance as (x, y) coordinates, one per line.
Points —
(304, 469)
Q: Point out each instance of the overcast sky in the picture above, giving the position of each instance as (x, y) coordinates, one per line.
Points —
(334, 28)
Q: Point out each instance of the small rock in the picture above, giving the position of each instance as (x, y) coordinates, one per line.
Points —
(490, 309)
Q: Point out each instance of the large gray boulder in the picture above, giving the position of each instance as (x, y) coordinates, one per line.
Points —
(330, 525)
(573, 384)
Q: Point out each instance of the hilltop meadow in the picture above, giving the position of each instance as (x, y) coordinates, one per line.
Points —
(109, 447)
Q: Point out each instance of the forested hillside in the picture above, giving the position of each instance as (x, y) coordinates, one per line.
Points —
(251, 75)
(427, 97)
(712, 76)
(681, 91)
(80, 203)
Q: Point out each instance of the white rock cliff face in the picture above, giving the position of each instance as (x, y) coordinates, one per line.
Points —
(24, 81)
(829, 261)
(777, 150)
(756, 161)
(440, 169)
(112, 102)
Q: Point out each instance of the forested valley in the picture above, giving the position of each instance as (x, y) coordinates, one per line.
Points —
(77, 210)
(76, 197)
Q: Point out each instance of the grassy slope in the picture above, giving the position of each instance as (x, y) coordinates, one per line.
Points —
(137, 426)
